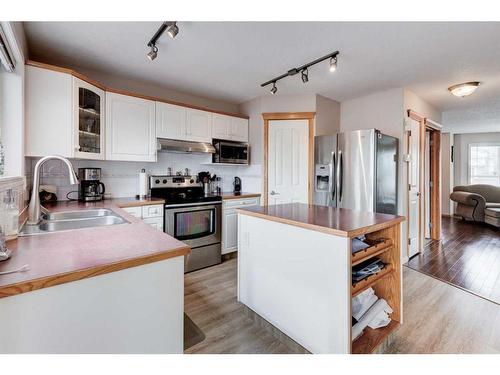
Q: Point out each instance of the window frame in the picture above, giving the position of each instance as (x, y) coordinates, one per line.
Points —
(481, 144)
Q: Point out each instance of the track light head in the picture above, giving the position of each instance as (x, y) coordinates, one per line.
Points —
(333, 64)
(173, 30)
(153, 53)
(274, 90)
(305, 75)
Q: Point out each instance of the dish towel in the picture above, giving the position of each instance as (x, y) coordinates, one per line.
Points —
(375, 317)
(362, 302)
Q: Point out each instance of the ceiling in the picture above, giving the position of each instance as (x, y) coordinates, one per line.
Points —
(229, 60)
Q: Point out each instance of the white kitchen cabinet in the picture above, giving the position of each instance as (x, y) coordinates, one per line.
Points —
(198, 125)
(221, 124)
(229, 128)
(130, 128)
(49, 113)
(170, 121)
(230, 221)
(64, 115)
(239, 129)
(88, 120)
(151, 214)
(181, 123)
(155, 222)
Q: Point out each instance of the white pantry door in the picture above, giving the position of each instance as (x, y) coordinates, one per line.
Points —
(413, 137)
(288, 161)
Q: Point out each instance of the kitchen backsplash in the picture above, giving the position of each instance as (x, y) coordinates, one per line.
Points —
(122, 178)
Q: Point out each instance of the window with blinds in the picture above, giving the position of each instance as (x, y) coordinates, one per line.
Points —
(484, 163)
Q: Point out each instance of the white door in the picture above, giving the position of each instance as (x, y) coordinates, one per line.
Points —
(413, 150)
(220, 126)
(239, 129)
(198, 126)
(170, 121)
(288, 150)
(130, 128)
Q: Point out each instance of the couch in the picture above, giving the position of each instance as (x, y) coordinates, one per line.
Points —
(478, 203)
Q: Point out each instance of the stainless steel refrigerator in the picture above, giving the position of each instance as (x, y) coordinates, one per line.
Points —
(357, 170)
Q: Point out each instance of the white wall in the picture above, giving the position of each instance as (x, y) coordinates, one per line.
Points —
(327, 119)
(417, 104)
(461, 143)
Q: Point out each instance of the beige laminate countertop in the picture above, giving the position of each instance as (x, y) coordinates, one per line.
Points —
(339, 221)
(65, 256)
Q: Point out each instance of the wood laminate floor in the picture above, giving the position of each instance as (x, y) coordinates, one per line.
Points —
(468, 256)
(210, 301)
(438, 318)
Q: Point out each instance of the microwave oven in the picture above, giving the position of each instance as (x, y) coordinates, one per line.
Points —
(229, 152)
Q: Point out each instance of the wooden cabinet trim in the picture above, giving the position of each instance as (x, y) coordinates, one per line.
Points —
(125, 92)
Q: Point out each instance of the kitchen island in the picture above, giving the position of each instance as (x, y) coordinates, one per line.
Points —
(109, 289)
(294, 270)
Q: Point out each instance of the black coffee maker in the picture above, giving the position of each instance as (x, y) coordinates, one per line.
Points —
(237, 185)
(91, 188)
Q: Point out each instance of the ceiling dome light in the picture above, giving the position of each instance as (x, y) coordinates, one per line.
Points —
(333, 64)
(464, 89)
(153, 53)
(173, 30)
(274, 90)
(305, 76)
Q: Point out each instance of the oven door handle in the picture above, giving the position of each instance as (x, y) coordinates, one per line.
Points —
(167, 206)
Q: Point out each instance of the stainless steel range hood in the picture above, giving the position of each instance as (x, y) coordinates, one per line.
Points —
(172, 145)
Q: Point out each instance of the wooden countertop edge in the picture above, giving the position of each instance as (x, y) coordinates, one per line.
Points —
(249, 195)
(62, 278)
(319, 228)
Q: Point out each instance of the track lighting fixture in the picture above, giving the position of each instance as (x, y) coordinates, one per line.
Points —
(171, 28)
(274, 90)
(333, 63)
(305, 75)
(153, 53)
(304, 70)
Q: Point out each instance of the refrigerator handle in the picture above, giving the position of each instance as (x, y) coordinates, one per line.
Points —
(340, 175)
(333, 179)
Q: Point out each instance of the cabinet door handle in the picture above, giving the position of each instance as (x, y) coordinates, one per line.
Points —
(274, 193)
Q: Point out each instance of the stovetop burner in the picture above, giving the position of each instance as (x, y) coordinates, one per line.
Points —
(179, 190)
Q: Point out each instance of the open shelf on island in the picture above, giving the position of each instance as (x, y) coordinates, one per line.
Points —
(372, 338)
(376, 247)
(359, 286)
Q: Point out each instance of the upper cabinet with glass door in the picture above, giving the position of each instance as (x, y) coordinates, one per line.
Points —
(89, 120)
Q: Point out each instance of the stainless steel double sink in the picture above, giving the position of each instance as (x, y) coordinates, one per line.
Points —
(70, 220)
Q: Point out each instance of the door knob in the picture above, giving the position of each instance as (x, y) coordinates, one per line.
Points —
(274, 193)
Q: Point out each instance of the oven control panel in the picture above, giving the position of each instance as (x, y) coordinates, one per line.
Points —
(173, 181)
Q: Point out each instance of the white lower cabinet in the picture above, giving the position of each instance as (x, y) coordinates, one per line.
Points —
(150, 214)
(230, 221)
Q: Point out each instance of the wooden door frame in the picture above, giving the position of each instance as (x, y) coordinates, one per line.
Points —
(434, 128)
(435, 175)
(309, 116)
